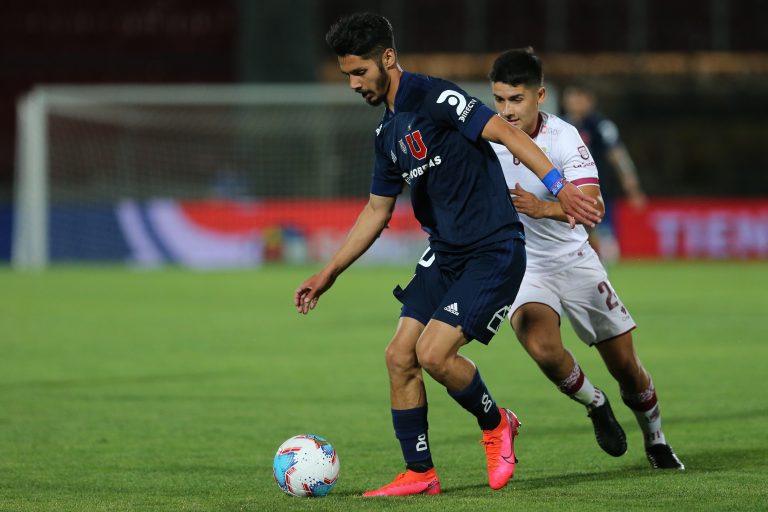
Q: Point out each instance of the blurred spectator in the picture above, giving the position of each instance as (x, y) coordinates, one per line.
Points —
(615, 166)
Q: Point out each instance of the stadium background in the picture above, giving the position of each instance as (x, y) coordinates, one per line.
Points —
(685, 82)
(170, 389)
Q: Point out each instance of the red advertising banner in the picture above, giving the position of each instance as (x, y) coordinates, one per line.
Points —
(210, 234)
(700, 228)
(307, 215)
(227, 232)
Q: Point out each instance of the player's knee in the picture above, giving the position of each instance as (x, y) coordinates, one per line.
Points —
(431, 359)
(399, 360)
(527, 329)
(519, 325)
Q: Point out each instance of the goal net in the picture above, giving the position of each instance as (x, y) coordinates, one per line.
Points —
(201, 176)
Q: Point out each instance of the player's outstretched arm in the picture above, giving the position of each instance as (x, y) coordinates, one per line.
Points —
(622, 162)
(574, 202)
(370, 223)
(527, 203)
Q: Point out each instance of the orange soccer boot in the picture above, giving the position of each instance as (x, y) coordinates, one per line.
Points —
(409, 483)
(500, 449)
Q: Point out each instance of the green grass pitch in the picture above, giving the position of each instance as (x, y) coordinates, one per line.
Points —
(171, 390)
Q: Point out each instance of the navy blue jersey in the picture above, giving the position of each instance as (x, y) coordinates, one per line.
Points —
(432, 142)
(601, 135)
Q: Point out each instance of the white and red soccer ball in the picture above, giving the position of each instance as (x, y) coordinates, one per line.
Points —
(306, 465)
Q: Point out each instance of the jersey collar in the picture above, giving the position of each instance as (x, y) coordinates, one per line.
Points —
(539, 122)
(403, 97)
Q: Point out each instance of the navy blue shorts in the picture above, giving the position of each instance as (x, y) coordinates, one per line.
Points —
(473, 290)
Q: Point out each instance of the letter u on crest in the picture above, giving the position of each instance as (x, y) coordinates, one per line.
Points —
(416, 145)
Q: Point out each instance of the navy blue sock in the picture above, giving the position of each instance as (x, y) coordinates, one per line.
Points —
(478, 400)
(411, 430)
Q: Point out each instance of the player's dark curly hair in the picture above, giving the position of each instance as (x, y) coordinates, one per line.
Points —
(520, 66)
(364, 34)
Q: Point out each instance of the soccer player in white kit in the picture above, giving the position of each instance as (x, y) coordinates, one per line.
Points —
(563, 271)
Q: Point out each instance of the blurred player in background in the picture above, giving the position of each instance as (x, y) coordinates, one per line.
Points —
(617, 171)
(433, 137)
(564, 272)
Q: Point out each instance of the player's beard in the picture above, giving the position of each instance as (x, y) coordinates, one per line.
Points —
(381, 87)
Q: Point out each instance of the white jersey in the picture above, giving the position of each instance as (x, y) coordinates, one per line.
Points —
(552, 244)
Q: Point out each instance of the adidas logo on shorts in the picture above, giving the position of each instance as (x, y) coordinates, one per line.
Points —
(452, 308)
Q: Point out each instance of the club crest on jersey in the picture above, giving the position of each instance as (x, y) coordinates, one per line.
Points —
(584, 152)
(416, 145)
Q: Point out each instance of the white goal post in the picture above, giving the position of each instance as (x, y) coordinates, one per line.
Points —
(322, 109)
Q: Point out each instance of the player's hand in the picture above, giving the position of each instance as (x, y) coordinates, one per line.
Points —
(527, 203)
(578, 205)
(307, 294)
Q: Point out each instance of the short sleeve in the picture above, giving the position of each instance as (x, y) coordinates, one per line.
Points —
(448, 105)
(386, 178)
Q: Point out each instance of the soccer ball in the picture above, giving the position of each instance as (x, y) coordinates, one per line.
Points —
(306, 465)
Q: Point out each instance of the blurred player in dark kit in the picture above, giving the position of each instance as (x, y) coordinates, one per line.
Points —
(617, 170)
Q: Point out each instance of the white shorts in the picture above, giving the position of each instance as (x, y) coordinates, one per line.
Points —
(585, 293)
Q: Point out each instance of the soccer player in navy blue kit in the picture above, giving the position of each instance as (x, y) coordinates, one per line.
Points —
(617, 170)
(433, 138)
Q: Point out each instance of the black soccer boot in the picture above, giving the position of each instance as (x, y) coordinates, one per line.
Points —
(609, 434)
(661, 456)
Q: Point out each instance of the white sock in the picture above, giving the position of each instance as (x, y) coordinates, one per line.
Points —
(650, 424)
(578, 387)
(646, 408)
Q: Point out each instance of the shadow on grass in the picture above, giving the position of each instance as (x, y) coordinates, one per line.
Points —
(715, 460)
(700, 461)
(559, 481)
(697, 462)
(706, 416)
(553, 430)
(669, 418)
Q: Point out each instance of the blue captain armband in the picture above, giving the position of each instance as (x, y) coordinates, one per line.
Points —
(554, 181)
